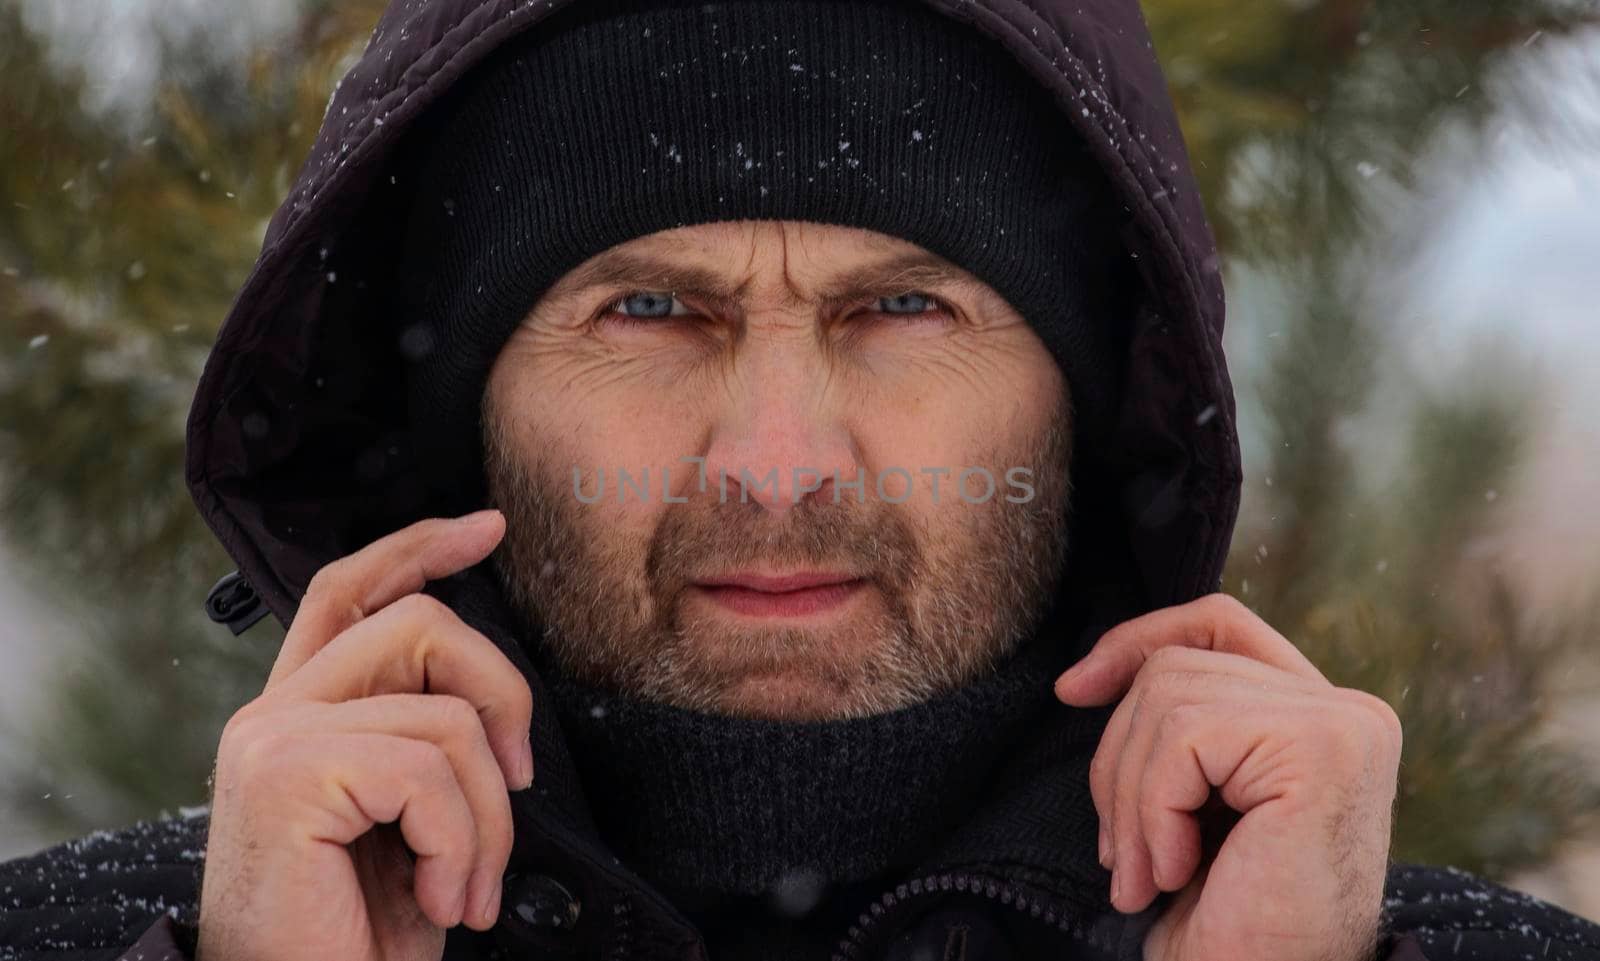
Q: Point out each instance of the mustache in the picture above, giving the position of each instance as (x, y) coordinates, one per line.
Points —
(705, 538)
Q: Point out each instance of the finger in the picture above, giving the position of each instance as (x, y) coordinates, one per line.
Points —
(1183, 662)
(351, 588)
(1310, 758)
(419, 645)
(1168, 804)
(1199, 747)
(1102, 773)
(1216, 622)
(369, 779)
(452, 724)
(1167, 699)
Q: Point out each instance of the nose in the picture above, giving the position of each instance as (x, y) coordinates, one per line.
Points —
(781, 436)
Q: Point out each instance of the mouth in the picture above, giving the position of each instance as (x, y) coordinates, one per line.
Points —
(797, 594)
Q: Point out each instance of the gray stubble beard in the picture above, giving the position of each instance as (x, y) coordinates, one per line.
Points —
(948, 615)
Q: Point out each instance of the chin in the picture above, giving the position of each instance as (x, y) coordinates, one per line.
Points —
(787, 696)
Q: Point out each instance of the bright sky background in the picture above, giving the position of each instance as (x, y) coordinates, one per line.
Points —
(1507, 243)
(118, 39)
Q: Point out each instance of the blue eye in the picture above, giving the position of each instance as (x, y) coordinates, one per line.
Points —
(909, 304)
(647, 305)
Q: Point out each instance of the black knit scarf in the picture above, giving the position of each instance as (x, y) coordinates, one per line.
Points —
(706, 804)
(779, 820)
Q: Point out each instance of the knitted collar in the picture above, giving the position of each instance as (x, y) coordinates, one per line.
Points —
(707, 806)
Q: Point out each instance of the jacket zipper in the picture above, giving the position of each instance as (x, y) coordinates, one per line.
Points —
(622, 949)
(995, 889)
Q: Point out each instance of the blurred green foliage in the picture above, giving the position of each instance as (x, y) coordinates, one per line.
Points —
(1290, 111)
(119, 258)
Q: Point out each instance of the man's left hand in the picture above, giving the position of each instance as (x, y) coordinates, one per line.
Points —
(1214, 700)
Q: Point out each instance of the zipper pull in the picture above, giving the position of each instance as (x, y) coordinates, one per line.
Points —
(232, 601)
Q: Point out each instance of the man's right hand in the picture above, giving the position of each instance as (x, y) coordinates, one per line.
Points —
(387, 724)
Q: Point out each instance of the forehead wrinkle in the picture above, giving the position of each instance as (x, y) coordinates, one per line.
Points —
(793, 296)
(626, 267)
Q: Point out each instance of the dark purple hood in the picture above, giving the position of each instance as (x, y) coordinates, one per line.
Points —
(295, 452)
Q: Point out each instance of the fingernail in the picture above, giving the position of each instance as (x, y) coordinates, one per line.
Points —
(476, 517)
(1116, 888)
(488, 905)
(1105, 848)
(1071, 674)
(525, 764)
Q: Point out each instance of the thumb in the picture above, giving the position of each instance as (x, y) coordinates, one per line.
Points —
(1087, 683)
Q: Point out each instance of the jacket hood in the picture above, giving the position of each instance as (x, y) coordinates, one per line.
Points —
(295, 450)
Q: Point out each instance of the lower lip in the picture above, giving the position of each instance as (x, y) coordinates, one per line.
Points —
(809, 600)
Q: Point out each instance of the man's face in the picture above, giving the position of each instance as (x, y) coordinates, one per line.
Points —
(777, 469)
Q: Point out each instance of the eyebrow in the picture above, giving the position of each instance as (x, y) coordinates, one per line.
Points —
(889, 276)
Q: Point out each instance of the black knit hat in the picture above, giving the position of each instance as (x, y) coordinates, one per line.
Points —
(620, 118)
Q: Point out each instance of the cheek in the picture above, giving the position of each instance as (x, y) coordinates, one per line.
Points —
(575, 412)
(593, 410)
(963, 403)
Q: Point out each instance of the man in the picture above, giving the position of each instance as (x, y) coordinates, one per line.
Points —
(750, 480)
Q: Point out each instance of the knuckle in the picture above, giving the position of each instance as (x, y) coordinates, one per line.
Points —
(1175, 683)
(259, 758)
(422, 609)
(1099, 773)
(1150, 806)
(237, 727)
(1374, 708)
(1163, 684)
(1175, 732)
(457, 715)
(1165, 659)
(240, 732)
(429, 765)
(329, 591)
(1097, 767)
(1224, 612)
(1349, 734)
(326, 582)
(1176, 725)
(1380, 714)
(1220, 604)
(1232, 605)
